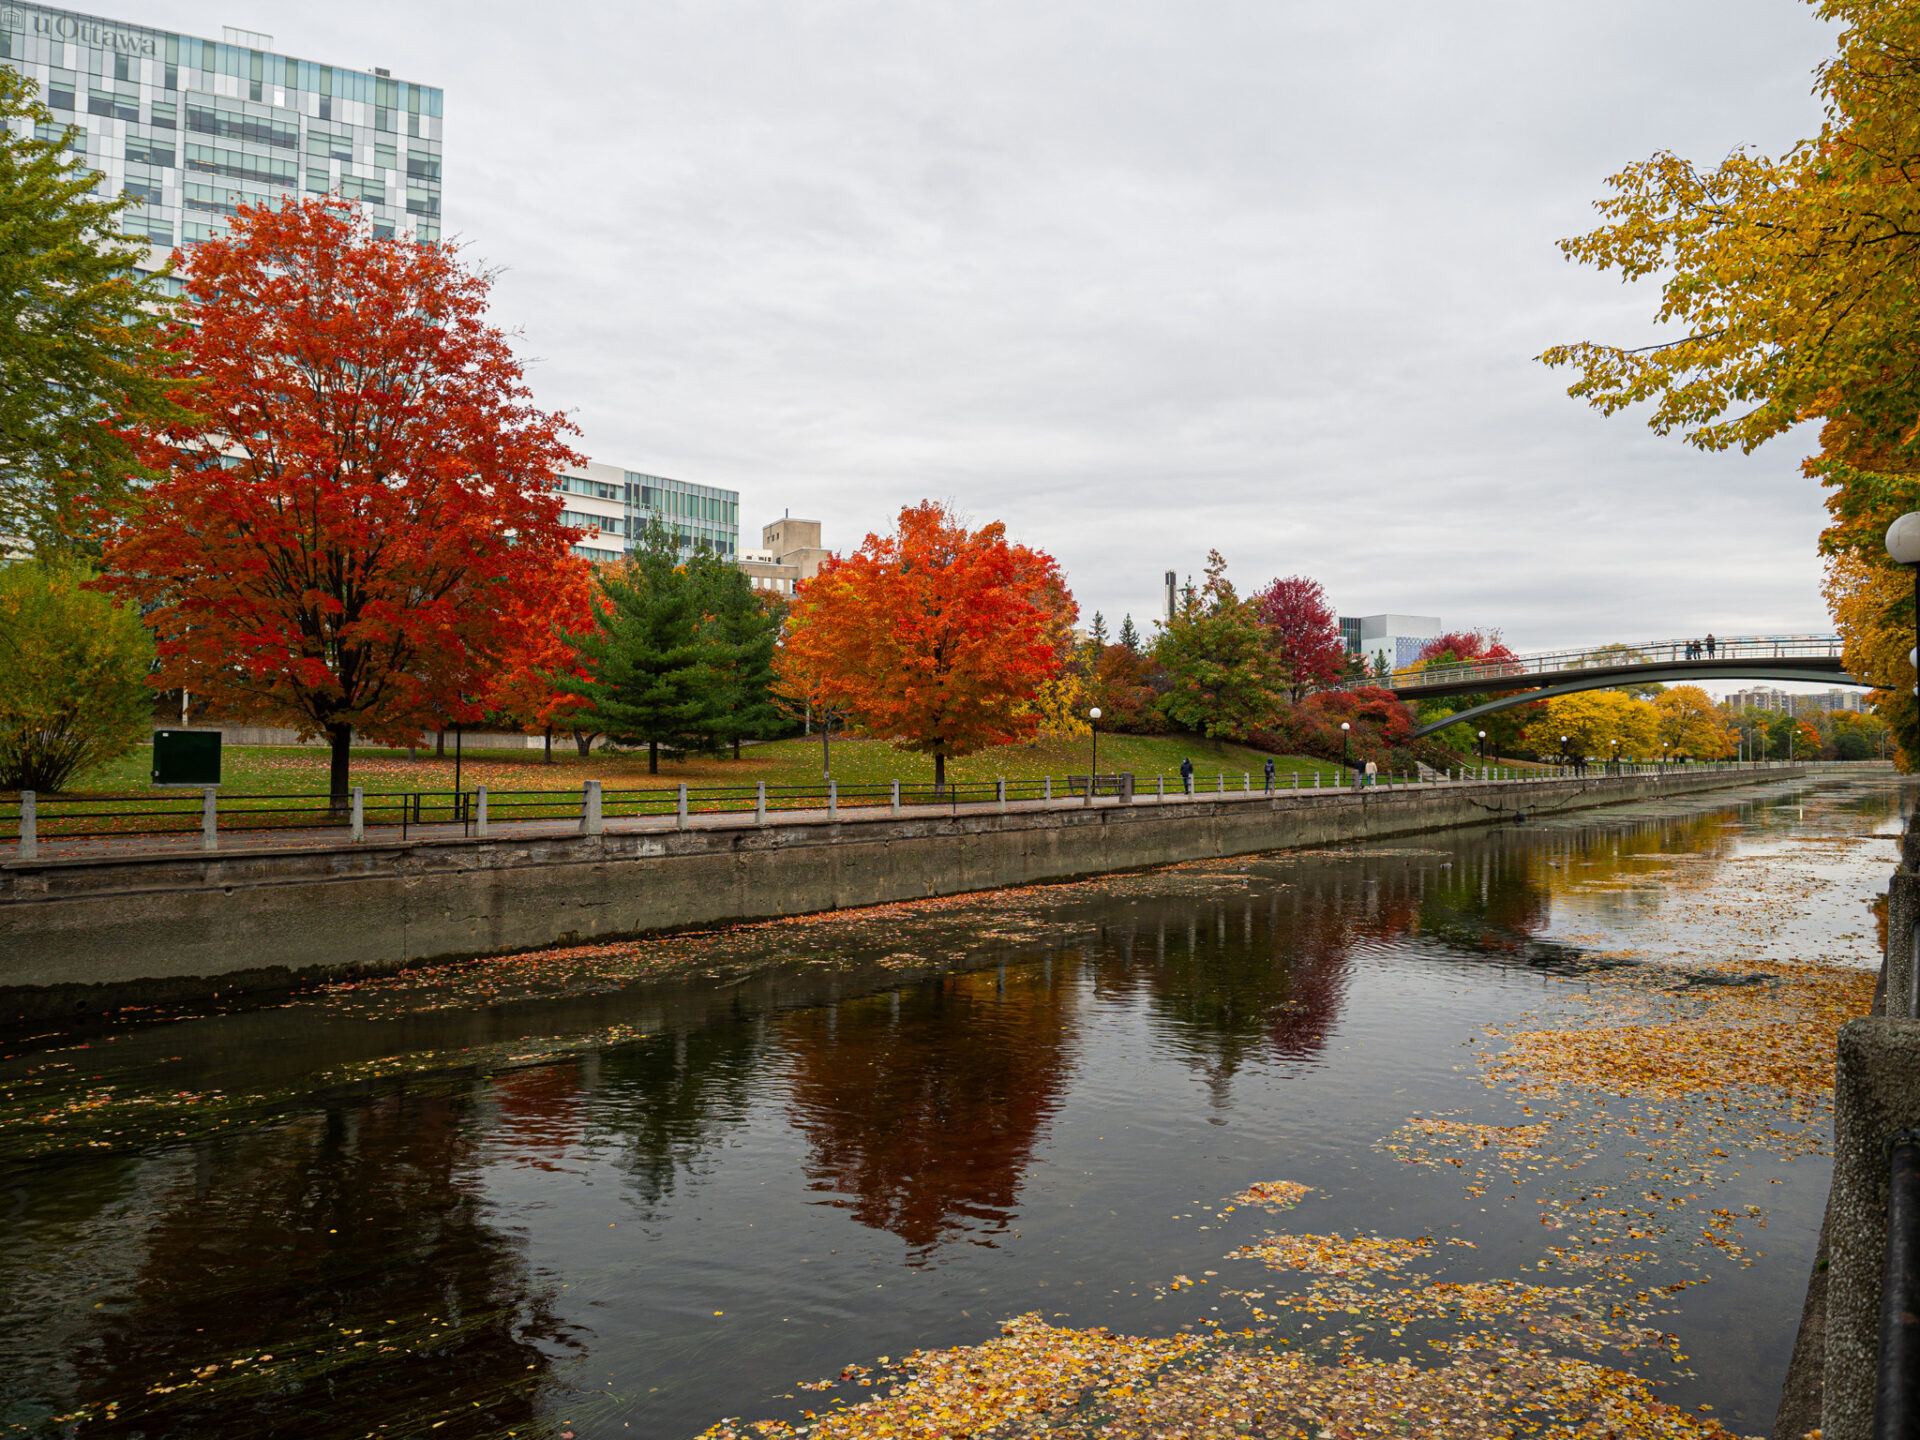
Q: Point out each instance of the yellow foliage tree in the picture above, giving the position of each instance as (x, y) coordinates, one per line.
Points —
(1788, 284)
(1691, 725)
(1061, 703)
(1865, 601)
(1592, 721)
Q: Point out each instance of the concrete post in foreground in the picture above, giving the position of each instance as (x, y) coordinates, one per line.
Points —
(1160, 787)
(1246, 782)
(1220, 783)
(1903, 928)
(209, 819)
(480, 812)
(760, 802)
(1046, 790)
(29, 826)
(833, 799)
(1876, 1092)
(590, 808)
(1000, 793)
(357, 816)
(896, 797)
(680, 807)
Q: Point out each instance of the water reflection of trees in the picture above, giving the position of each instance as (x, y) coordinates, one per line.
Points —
(354, 1249)
(922, 1107)
(669, 1100)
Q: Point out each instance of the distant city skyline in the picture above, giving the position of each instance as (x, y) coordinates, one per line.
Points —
(1138, 286)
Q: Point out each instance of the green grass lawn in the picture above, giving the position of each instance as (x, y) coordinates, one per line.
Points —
(290, 770)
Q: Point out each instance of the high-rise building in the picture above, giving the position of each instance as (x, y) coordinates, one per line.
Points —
(616, 505)
(194, 128)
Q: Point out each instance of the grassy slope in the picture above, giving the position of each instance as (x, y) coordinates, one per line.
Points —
(263, 770)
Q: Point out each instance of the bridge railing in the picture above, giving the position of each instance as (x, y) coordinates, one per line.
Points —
(1654, 652)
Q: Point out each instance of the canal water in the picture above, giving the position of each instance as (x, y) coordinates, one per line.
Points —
(629, 1190)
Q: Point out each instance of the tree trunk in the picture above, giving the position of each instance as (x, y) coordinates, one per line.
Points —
(339, 744)
(583, 741)
(549, 759)
(826, 748)
(439, 744)
(653, 757)
(736, 747)
(939, 771)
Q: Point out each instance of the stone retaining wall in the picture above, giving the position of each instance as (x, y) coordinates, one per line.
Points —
(85, 934)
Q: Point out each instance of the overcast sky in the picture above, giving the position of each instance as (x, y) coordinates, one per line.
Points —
(1139, 279)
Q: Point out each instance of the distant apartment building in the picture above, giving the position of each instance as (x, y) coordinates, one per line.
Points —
(1400, 638)
(1766, 698)
(790, 551)
(615, 507)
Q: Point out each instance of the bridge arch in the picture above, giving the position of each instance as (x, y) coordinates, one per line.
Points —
(1546, 676)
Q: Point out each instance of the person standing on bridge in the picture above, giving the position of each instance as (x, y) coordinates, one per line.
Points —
(1709, 645)
(1186, 775)
(1269, 774)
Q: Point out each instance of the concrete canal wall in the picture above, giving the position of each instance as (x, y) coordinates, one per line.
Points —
(83, 934)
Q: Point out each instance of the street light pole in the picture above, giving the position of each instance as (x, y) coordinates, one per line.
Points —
(1903, 544)
(1344, 729)
(1093, 715)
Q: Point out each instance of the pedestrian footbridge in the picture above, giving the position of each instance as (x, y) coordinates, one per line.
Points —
(1526, 678)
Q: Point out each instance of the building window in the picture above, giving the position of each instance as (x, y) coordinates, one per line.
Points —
(149, 152)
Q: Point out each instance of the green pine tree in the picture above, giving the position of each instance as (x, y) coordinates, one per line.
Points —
(743, 628)
(1129, 636)
(79, 327)
(656, 668)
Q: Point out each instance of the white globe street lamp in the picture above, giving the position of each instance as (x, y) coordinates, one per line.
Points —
(1903, 544)
(1094, 716)
(1344, 728)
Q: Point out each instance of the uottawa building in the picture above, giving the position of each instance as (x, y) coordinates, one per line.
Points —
(193, 128)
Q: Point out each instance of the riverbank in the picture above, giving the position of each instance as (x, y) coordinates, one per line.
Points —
(84, 935)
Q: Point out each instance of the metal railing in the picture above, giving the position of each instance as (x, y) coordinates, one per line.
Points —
(1653, 652)
(93, 823)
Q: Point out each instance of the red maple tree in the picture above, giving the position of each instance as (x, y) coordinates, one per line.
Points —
(1465, 645)
(1305, 631)
(359, 511)
(936, 637)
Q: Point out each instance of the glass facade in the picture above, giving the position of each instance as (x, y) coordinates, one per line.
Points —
(193, 128)
(622, 503)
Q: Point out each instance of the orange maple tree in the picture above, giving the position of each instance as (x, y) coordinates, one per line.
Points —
(935, 636)
(523, 692)
(358, 514)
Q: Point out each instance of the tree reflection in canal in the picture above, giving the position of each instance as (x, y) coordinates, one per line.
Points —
(344, 1263)
(921, 1108)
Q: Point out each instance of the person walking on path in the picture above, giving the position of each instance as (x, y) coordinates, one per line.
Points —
(1186, 775)
(1373, 773)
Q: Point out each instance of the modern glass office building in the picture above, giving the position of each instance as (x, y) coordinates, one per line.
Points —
(194, 127)
(617, 505)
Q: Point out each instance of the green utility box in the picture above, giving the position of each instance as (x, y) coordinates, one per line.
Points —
(186, 757)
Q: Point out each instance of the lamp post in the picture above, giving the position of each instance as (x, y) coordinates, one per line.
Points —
(1563, 750)
(1616, 755)
(1903, 544)
(1344, 729)
(1094, 716)
(1483, 747)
